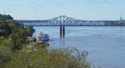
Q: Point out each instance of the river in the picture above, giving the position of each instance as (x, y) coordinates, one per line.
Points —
(105, 44)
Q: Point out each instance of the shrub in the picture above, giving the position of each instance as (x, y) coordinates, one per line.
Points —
(51, 58)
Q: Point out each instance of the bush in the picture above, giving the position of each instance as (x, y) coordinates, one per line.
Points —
(51, 58)
(5, 55)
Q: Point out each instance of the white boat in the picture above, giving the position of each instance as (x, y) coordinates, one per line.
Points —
(43, 37)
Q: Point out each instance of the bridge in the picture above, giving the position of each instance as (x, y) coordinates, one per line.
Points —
(68, 21)
(63, 21)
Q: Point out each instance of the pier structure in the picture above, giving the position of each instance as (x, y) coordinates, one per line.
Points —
(62, 31)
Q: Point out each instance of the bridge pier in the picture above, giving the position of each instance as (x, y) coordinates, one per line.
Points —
(62, 31)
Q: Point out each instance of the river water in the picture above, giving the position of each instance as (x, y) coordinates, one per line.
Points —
(105, 44)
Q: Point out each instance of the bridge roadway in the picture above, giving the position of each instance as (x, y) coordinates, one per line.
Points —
(68, 21)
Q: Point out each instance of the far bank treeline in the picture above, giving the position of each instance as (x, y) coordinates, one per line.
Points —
(13, 33)
(115, 23)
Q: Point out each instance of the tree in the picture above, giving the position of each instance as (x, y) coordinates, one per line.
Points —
(30, 30)
(11, 29)
(2, 17)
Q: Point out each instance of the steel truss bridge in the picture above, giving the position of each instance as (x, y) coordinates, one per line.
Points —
(67, 21)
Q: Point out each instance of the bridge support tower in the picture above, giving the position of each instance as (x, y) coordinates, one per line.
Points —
(62, 31)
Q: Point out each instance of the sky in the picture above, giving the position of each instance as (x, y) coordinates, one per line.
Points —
(78, 9)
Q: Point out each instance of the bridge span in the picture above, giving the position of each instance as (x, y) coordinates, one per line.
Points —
(68, 21)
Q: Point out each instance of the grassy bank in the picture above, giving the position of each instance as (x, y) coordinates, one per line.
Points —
(43, 58)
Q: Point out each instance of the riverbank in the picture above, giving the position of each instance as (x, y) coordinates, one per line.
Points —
(43, 58)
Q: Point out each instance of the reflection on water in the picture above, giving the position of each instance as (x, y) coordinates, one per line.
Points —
(105, 45)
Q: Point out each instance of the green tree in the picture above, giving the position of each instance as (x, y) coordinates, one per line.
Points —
(30, 30)
(5, 17)
(12, 30)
